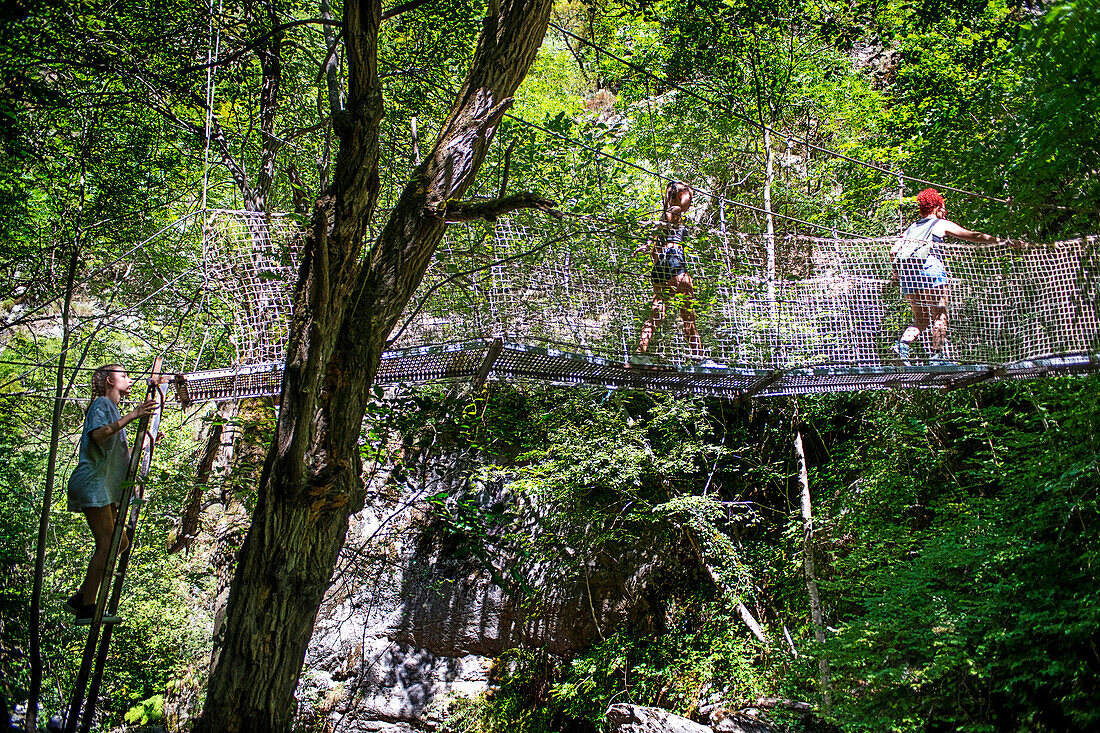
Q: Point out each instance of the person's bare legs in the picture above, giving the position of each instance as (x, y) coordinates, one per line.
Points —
(929, 311)
(920, 317)
(683, 285)
(937, 314)
(675, 285)
(657, 309)
(101, 519)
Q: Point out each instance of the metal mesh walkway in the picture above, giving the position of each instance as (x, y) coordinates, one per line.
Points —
(498, 361)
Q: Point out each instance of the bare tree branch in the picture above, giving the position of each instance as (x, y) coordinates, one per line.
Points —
(458, 211)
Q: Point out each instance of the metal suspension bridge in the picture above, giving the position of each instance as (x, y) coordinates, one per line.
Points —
(563, 302)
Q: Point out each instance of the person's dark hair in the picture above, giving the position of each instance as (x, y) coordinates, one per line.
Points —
(929, 200)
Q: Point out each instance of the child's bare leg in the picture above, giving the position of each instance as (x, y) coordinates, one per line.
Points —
(937, 311)
(656, 316)
(687, 315)
(102, 522)
(691, 334)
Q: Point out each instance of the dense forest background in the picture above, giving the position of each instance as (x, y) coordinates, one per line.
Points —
(955, 535)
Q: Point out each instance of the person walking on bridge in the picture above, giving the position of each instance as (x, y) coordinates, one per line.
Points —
(669, 278)
(919, 267)
(677, 194)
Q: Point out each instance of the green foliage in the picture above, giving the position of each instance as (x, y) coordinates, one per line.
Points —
(611, 471)
(956, 547)
(146, 711)
(956, 552)
(675, 670)
(969, 546)
(521, 680)
(1048, 144)
(696, 655)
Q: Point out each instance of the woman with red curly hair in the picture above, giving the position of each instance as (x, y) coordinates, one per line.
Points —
(918, 266)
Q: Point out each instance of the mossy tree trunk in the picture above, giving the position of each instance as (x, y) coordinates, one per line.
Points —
(346, 303)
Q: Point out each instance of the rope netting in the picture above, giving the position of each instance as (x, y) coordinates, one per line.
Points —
(207, 290)
(252, 260)
(829, 301)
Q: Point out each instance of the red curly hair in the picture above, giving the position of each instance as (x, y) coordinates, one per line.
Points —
(929, 200)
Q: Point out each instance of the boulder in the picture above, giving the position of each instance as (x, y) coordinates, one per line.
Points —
(623, 718)
(414, 620)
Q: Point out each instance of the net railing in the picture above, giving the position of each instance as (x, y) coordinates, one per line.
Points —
(577, 284)
(827, 301)
(252, 261)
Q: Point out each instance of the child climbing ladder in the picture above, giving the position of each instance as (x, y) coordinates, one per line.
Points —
(108, 589)
(96, 484)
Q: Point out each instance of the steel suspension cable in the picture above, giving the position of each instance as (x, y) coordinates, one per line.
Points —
(80, 283)
(211, 56)
(807, 143)
(697, 189)
(105, 321)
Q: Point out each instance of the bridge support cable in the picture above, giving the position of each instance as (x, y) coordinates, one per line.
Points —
(90, 675)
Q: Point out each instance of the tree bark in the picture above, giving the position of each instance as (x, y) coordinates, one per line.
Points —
(216, 453)
(60, 388)
(491, 209)
(808, 565)
(345, 306)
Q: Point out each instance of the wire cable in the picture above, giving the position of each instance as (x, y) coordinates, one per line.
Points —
(211, 56)
(807, 143)
(648, 172)
(694, 188)
(88, 279)
(105, 322)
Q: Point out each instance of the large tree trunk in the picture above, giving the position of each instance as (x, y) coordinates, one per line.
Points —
(343, 312)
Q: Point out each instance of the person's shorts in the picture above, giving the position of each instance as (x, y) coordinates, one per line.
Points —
(670, 263)
(918, 275)
(87, 491)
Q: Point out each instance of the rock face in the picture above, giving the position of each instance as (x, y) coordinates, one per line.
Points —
(423, 602)
(728, 722)
(623, 718)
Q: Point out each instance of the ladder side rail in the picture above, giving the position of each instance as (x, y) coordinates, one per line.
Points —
(91, 645)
